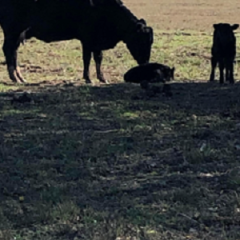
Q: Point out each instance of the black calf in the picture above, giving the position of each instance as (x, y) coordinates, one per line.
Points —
(223, 51)
(149, 72)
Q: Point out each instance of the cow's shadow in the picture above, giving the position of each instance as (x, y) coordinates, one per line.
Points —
(110, 148)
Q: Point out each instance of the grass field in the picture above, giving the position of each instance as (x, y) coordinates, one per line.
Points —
(112, 161)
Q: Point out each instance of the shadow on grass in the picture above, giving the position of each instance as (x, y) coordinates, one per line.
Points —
(90, 157)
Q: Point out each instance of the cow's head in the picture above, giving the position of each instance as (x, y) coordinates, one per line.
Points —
(140, 42)
(224, 32)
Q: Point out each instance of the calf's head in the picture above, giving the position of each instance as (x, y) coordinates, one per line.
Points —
(169, 74)
(223, 33)
(140, 42)
(165, 74)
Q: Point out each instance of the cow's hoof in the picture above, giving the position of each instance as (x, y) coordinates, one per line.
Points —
(21, 79)
(102, 80)
(13, 75)
(15, 79)
(87, 80)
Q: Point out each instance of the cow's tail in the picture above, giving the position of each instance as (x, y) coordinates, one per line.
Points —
(22, 37)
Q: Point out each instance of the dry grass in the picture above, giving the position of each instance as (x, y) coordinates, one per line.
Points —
(196, 15)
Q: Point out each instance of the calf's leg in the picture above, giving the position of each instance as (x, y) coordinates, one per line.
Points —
(221, 70)
(98, 60)
(229, 71)
(213, 65)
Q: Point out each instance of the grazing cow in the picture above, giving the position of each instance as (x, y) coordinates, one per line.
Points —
(223, 51)
(98, 24)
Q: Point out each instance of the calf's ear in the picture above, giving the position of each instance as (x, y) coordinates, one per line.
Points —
(234, 26)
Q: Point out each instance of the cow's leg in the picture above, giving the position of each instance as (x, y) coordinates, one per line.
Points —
(98, 60)
(18, 71)
(86, 62)
(213, 65)
(221, 70)
(10, 47)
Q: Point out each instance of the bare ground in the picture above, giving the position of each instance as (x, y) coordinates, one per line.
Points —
(197, 15)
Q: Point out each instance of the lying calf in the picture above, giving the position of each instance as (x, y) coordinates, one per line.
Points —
(149, 73)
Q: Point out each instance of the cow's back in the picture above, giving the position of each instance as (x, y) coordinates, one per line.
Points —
(21, 12)
(15, 14)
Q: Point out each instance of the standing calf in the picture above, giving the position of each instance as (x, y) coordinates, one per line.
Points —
(223, 50)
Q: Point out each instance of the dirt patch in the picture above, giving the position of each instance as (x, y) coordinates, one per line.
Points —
(186, 14)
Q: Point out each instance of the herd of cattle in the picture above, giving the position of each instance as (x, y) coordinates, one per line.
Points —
(99, 25)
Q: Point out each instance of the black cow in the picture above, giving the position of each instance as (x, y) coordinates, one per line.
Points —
(98, 24)
(223, 51)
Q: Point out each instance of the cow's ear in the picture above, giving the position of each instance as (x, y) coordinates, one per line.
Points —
(215, 26)
(142, 21)
(149, 30)
(234, 26)
(140, 26)
(151, 33)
